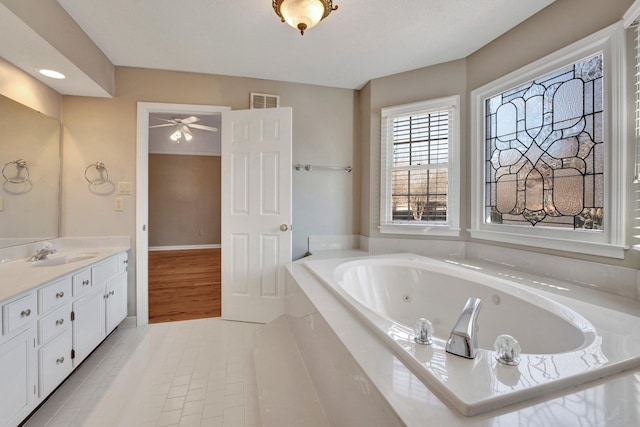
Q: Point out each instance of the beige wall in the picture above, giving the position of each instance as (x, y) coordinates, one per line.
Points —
(21, 87)
(53, 24)
(184, 200)
(563, 22)
(426, 83)
(99, 129)
(558, 25)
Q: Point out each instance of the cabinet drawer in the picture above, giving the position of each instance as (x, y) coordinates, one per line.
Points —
(20, 312)
(55, 294)
(52, 324)
(81, 282)
(104, 271)
(55, 362)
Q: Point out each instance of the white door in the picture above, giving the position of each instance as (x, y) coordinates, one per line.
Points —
(256, 212)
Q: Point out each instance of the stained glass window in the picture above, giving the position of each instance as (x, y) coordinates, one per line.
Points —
(544, 150)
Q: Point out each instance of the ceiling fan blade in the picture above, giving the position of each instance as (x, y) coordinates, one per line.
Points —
(203, 127)
(161, 126)
(189, 120)
(164, 120)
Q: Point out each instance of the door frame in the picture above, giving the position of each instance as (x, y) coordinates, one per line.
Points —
(142, 193)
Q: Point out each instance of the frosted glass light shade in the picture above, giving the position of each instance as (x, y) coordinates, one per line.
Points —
(302, 14)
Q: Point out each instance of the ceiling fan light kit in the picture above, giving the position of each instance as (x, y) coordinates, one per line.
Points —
(182, 132)
(303, 14)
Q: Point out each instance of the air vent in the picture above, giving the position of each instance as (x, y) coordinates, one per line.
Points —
(263, 100)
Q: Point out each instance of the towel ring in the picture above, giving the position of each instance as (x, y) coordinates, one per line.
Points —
(102, 170)
(20, 165)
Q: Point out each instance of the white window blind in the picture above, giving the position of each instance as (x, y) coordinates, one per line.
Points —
(636, 168)
(419, 168)
(630, 19)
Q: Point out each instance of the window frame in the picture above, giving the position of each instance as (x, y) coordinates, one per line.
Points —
(424, 228)
(611, 241)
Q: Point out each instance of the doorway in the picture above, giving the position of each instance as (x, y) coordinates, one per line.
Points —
(178, 254)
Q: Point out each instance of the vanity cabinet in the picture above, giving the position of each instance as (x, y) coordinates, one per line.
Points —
(55, 362)
(47, 332)
(88, 324)
(18, 358)
(18, 370)
(115, 302)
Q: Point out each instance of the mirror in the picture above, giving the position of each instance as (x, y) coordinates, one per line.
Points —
(30, 179)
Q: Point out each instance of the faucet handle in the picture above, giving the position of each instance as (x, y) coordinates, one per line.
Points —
(507, 350)
(423, 331)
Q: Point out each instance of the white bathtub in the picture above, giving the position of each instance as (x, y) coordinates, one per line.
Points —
(565, 341)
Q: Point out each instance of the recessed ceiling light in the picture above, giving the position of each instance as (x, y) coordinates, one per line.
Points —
(52, 74)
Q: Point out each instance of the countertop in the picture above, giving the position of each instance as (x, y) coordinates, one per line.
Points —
(20, 276)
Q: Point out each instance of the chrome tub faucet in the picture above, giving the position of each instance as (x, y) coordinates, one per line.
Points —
(463, 339)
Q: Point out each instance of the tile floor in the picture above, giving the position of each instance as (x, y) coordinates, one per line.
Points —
(190, 373)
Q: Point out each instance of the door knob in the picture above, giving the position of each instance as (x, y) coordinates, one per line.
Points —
(284, 227)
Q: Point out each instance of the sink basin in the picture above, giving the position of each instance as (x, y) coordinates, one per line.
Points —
(68, 258)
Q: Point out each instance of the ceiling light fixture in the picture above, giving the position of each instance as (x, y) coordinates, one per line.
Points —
(52, 74)
(303, 14)
(181, 132)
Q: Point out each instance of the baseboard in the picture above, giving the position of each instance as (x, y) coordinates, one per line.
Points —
(129, 322)
(184, 247)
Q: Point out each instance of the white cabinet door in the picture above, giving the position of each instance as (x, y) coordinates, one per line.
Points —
(116, 301)
(88, 324)
(256, 212)
(18, 372)
(55, 362)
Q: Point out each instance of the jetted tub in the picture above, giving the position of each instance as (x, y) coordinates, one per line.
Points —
(565, 342)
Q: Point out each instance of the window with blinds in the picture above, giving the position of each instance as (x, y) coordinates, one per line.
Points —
(416, 167)
(631, 19)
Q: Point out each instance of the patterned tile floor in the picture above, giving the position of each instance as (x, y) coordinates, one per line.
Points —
(190, 373)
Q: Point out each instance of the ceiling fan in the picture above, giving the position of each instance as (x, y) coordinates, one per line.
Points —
(183, 127)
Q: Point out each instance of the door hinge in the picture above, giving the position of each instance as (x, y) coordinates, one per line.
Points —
(73, 354)
(34, 389)
(73, 316)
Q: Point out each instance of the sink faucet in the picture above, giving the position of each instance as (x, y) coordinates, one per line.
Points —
(463, 339)
(42, 254)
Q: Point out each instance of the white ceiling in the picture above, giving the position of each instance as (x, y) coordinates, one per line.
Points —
(362, 40)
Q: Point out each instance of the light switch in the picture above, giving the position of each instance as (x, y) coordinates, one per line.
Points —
(124, 188)
(118, 204)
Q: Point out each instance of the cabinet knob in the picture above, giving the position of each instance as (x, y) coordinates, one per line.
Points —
(126, 261)
(59, 322)
(60, 360)
(60, 295)
(112, 292)
(105, 296)
(85, 282)
(25, 313)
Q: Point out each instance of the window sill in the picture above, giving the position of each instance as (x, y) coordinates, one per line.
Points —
(589, 248)
(420, 230)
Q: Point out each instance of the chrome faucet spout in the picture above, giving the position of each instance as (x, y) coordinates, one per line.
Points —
(42, 254)
(463, 340)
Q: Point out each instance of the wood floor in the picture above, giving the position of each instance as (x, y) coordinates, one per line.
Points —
(184, 285)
